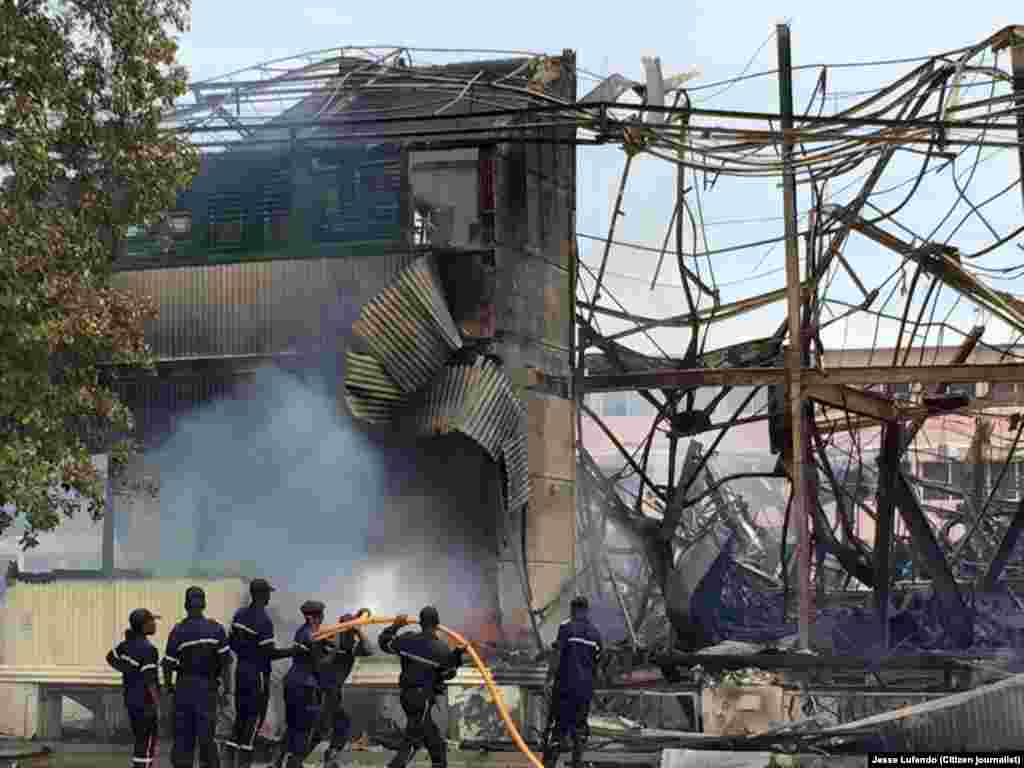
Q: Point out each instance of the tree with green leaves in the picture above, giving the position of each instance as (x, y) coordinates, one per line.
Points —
(85, 152)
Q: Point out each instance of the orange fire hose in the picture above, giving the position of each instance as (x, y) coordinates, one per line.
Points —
(365, 618)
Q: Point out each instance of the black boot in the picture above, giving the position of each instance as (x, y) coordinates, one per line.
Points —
(244, 759)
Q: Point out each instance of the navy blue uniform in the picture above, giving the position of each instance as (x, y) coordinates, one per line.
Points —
(301, 693)
(252, 640)
(196, 651)
(579, 646)
(336, 661)
(426, 663)
(136, 659)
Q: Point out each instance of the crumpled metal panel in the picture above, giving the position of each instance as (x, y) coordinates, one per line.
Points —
(477, 400)
(372, 395)
(517, 470)
(408, 326)
(411, 337)
(474, 399)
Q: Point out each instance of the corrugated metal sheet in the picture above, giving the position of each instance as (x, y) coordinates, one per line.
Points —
(516, 463)
(75, 623)
(158, 403)
(257, 308)
(411, 336)
(371, 394)
(986, 719)
(474, 399)
(408, 326)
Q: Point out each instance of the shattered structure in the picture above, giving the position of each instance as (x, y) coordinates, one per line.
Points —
(902, 545)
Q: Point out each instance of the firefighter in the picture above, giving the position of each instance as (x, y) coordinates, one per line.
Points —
(427, 663)
(136, 659)
(197, 655)
(252, 640)
(578, 648)
(336, 661)
(302, 687)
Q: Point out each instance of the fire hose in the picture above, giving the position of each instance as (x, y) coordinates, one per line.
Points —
(366, 618)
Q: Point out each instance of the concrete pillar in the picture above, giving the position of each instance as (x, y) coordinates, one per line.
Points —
(535, 254)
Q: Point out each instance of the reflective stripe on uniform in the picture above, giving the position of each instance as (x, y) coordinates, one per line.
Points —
(268, 641)
(244, 628)
(201, 641)
(414, 657)
(147, 667)
(591, 643)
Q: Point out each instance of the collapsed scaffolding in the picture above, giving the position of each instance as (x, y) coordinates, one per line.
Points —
(719, 575)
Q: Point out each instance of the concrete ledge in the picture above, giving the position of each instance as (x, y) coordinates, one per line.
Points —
(60, 675)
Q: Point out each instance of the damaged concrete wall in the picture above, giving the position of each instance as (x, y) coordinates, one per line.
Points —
(534, 234)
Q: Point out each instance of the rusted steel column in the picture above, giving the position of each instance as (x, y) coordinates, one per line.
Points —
(793, 361)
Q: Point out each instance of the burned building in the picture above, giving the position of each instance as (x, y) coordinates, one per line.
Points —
(398, 233)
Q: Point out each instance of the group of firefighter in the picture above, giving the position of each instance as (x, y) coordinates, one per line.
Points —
(197, 663)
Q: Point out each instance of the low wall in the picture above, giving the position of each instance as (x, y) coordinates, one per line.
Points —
(27, 708)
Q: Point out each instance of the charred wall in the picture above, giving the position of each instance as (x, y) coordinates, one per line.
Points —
(252, 457)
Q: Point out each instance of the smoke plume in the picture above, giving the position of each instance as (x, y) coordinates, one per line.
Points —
(278, 482)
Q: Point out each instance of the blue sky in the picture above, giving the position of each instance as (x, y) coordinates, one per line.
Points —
(720, 39)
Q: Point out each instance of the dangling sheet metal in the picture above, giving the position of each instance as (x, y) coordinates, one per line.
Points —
(407, 377)
(408, 327)
(371, 394)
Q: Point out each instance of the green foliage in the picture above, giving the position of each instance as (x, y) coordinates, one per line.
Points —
(84, 85)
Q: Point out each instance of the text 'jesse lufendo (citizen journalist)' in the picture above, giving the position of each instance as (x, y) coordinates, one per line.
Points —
(939, 758)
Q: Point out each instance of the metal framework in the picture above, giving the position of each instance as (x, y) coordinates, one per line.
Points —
(944, 110)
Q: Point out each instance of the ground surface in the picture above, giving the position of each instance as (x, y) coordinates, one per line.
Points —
(76, 756)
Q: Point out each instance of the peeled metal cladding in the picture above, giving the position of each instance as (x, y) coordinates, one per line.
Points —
(372, 395)
(517, 471)
(475, 399)
(408, 327)
(409, 376)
